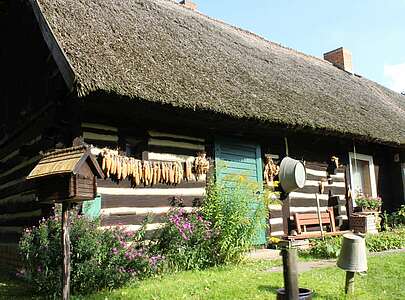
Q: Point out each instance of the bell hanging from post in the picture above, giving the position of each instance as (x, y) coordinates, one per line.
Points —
(353, 254)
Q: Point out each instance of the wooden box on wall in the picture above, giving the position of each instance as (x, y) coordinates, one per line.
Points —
(67, 175)
(70, 187)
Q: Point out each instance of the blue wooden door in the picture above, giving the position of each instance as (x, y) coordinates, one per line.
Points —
(92, 208)
(234, 157)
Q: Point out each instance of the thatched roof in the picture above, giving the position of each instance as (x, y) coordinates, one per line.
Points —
(64, 161)
(158, 51)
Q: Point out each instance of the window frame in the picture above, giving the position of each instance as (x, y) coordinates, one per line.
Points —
(369, 159)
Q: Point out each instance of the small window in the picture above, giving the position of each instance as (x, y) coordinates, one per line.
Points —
(362, 175)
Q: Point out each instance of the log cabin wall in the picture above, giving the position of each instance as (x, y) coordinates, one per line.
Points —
(316, 153)
(123, 205)
(32, 119)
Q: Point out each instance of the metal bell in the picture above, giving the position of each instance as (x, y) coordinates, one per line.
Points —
(353, 254)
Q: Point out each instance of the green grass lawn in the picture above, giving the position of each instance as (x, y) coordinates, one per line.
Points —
(385, 280)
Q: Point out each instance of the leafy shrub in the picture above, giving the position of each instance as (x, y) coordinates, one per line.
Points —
(237, 213)
(395, 219)
(386, 240)
(327, 248)
(330, 247)
(220, 232)
(99, 258)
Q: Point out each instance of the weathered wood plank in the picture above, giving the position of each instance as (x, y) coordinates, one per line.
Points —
(111, 201)
(15, 187)
(131, 219)
(302, 202)
(158, 134)
(22, 166)
(20, 215)
(170, 150)
(100, 137)
(180, 192)
(126, 184)
(300, 195)
(175, 144)
(99, 126)
(314, 189)
(140, 210)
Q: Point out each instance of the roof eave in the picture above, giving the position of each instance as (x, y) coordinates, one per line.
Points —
(60, 57)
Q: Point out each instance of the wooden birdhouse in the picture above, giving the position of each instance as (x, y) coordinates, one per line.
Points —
(67, 175)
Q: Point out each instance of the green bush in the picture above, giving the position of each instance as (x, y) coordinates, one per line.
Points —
(236, 213)
(386, 240)
(99, 258)
(327, 248)
(395, 219)
(330, 246)
(220, 232)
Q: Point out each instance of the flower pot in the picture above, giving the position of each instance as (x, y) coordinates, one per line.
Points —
(366, 209)
(363, 223)
(303, 294)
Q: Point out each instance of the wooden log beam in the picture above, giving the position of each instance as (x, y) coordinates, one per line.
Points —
(116, 211)
(4, 218)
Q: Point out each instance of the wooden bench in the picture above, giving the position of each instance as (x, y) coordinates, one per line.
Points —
(304, 219)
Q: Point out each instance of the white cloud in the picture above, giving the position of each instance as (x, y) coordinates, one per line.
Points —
(396, 76)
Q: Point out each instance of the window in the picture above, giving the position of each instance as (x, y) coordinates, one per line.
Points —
(362, 175)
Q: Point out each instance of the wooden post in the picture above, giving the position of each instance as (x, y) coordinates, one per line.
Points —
(349, 287)
(66, 251)
(290, 272)
(286, 214)
(318, 209)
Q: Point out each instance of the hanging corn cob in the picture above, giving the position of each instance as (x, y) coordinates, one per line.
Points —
(201, 164)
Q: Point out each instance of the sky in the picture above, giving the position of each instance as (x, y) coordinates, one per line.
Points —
(372, 30)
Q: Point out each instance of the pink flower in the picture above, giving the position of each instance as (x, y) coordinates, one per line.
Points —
(154, 260)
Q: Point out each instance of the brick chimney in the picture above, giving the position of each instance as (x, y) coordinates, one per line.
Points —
(340, 58)
(189, 4)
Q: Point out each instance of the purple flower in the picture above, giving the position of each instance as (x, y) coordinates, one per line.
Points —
(153, 261)
(129, 234)
(114, 251)
(39, 269)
